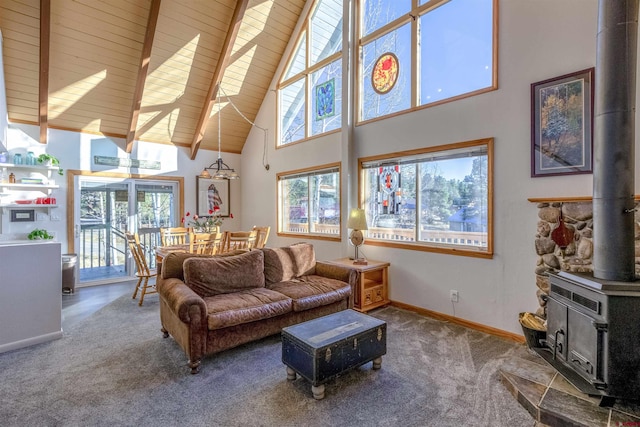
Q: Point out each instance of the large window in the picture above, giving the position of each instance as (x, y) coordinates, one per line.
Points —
(437, 199)
(309, 202)
(412, 57)
(310, 90)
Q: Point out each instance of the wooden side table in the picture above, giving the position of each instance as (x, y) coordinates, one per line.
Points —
(372, 290)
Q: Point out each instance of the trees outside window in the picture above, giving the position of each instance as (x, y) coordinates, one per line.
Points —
(436, 199)
(309, 202)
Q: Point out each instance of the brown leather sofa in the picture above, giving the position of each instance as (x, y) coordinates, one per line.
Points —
(212, 303)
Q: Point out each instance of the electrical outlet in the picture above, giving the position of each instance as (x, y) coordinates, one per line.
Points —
(55, 217)
(454, 295)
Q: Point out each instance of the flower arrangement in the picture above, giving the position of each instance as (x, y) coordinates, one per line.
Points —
(205, 224)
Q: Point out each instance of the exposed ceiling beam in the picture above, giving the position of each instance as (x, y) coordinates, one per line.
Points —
(43, 91)
(238, 15)
(143, 69)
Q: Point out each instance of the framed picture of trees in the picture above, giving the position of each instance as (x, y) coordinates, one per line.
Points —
(562, 125)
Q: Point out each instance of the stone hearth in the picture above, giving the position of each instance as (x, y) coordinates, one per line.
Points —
(552, 400)
(577, 257)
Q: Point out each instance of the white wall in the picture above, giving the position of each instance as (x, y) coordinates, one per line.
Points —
(537, 40)
(3, 102)
(76, 150)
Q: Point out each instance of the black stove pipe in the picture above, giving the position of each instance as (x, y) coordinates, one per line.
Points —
(614, 140)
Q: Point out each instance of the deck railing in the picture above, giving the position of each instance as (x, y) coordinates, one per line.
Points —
(402, 234)
(105, 246)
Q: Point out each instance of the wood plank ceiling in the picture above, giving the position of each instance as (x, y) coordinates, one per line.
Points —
(144, 69)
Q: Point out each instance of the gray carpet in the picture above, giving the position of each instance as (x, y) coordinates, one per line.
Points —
(115, 369)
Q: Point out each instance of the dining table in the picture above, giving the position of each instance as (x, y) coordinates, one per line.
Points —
(163, 251)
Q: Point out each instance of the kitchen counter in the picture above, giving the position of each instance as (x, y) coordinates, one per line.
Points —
(31, 286)
(24, 242)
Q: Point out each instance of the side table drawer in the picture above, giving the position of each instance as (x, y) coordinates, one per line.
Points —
(373, 295)
(371, 284)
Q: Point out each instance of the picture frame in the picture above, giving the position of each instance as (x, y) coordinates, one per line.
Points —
(206, 189)
(22, 215)
(562, 124)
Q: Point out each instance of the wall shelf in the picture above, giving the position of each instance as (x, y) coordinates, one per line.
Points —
(11, 191)
(28, 187)
(14, 206)
(30, 167)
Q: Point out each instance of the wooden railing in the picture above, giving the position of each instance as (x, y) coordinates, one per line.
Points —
(326, 228)
(467, 238)
(402, 234)
(318, 228)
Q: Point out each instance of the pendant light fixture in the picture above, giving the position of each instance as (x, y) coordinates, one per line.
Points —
(219, 168)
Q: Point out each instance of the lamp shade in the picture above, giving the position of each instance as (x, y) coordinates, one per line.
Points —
(357, 220)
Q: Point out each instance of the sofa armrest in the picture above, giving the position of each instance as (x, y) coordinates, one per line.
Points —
(182, 300)
(339, 272)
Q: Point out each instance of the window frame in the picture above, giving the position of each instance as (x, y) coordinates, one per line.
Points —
(304, 36)
(310, 171)
(442, 248)
(413, 18)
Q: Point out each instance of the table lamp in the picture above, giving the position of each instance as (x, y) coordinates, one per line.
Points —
(357, 222)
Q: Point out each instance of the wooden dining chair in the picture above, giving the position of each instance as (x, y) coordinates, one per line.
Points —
(240, 240)
(205, 243)
(263, 235)
(174, 236)
(143, 272)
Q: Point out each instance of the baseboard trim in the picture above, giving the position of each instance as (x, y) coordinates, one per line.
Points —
(15, 345)
(462, 322)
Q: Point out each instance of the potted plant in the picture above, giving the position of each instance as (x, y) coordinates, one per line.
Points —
(49, 160)
(39, 234)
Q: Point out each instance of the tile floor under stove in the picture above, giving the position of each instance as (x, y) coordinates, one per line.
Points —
(553, 401)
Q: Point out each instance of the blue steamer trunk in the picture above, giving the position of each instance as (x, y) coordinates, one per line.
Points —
(322, 349)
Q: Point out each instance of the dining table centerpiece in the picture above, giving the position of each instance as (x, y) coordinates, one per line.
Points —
(205, 224)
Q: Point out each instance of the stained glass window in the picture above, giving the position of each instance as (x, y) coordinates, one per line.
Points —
(395, 97)
(437, 199)
(444, 49)
(326, 98)
(385, 73)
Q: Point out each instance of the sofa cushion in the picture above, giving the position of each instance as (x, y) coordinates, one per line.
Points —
(312, 291)
(220, 275)
(172, 264)
(246, 306)
(282, 264)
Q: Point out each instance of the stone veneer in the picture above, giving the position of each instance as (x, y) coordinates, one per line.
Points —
(578, 256)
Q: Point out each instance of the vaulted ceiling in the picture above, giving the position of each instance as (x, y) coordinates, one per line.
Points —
(144, 69)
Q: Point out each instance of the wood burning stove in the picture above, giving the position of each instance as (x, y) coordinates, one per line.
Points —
(593, 334)
(593, 322)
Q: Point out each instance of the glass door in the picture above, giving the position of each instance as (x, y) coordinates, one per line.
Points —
(107, 208)
(156, 205)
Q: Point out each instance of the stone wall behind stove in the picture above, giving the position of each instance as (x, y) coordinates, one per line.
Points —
(577, 257)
